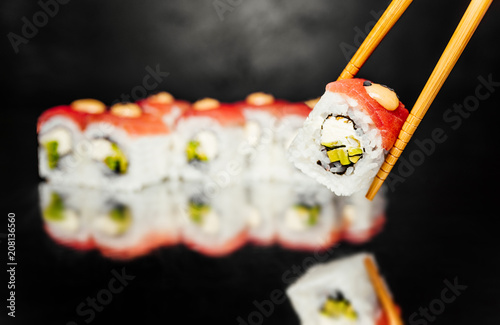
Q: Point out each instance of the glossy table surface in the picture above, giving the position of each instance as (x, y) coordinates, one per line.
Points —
(435, 234)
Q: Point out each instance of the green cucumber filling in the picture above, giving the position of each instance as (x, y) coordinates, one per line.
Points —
(193, 152)
(202, 148)
(122, 217)
(52, 154)
(309, 214)
(197, 211)
(117, 162)
(55, 210)
(340, 143)
(338, 307)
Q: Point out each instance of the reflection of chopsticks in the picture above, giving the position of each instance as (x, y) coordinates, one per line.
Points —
(455, 47)
(382, 293)
(378, 32)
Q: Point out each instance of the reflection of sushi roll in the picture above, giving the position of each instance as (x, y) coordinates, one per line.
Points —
(128, 149)
(61, 151)
(291, 119)
(345, 139)
(307, 219)
(126, 225)
(361, 218)
(209, 135)
(262, 212)
(165, 106)
(214, 225)
(339, 292)
(63, 210)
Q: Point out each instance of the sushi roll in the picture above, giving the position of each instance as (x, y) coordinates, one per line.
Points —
(165, 106)
(349, 132)
(208, 141)
(361, 218)
(291, 119)
(64, 213)
(307, 216)
(128, 149)
(125, 225)
(61, 149)
(339, 292)
(214, 225)
(261, 117)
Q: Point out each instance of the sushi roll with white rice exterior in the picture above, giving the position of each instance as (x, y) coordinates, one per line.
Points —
(347, 135)
(62, 153)
(338, 293)
(128, 149)
(209, 136)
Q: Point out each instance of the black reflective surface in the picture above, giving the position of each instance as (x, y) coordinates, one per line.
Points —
(442, 220)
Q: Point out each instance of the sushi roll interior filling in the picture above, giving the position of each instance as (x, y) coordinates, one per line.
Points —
(57, 214)
(338, 307)
(57, 142)
(340, 143)
(110, 154)
(116, 222)
(302, 216)
(202, 148)
(202, 215)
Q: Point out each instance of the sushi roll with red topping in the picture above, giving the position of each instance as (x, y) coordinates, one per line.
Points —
(209, 136)
(128, 149)
(62, 151)
(261, 113)
(342, 292)
(349, 132)
(165, 106)
(291, 119)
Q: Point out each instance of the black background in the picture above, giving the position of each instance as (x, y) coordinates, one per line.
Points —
(442, 220)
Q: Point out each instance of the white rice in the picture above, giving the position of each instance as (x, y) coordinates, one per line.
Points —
(69, 167)
(148, 159)
(305, 150)
(229, 164)
(347, 275)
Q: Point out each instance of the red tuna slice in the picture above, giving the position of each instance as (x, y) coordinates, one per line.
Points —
(388, 122)
(298, 108)
(63, 111)
(161, 104)
(143, 125)
(224, 113)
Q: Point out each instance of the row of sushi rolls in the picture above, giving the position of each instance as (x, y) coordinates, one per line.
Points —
(215, 176)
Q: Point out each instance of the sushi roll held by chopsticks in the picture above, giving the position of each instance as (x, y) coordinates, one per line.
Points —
(347, 135)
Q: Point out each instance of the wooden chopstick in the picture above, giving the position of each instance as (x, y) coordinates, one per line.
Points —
(467, 26)
(383, 295)
(378, 32)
